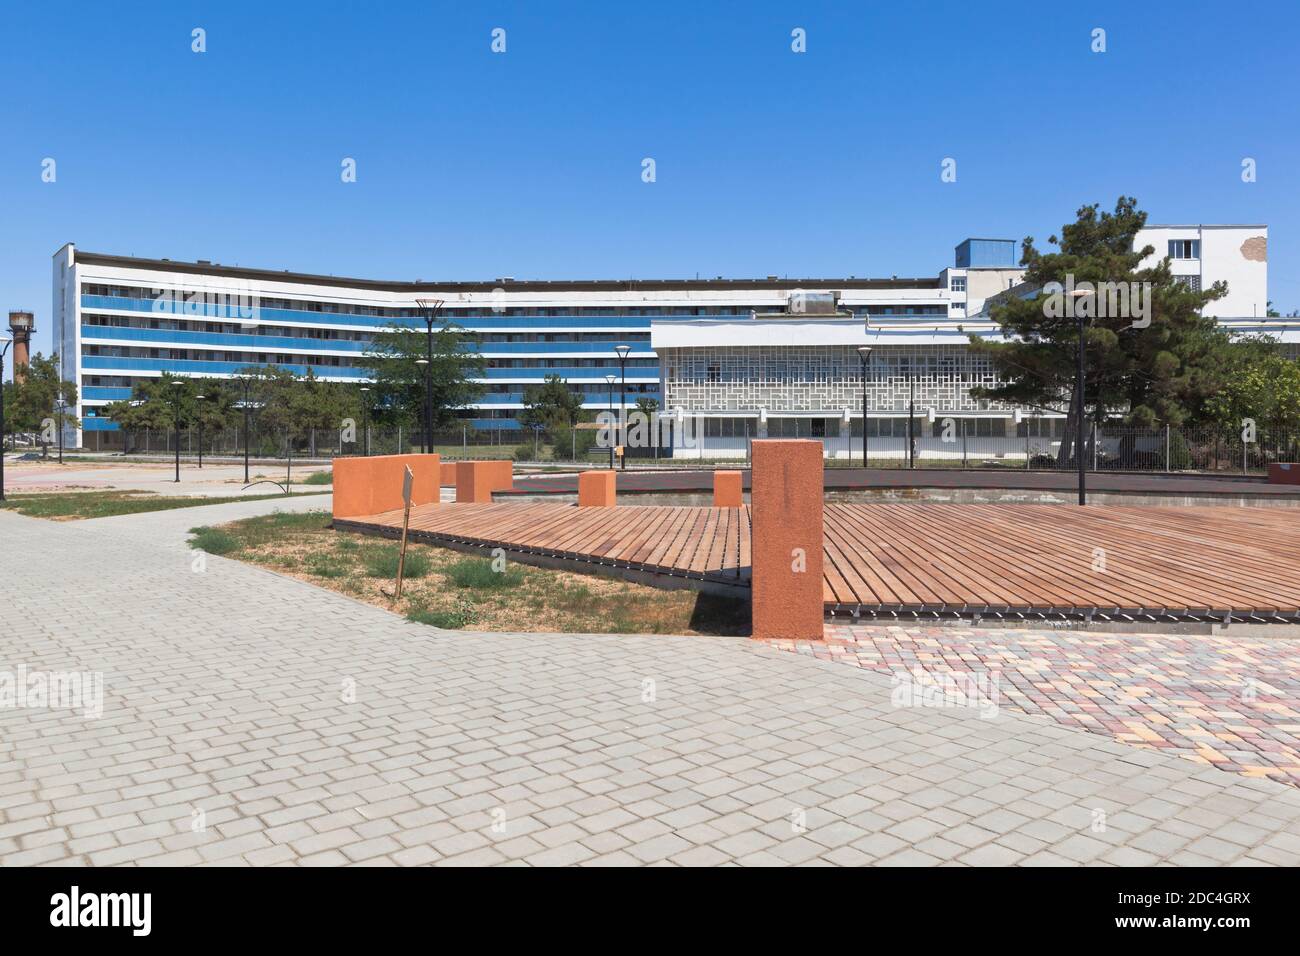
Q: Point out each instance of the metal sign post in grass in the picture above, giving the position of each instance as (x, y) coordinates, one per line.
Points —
(408, 480)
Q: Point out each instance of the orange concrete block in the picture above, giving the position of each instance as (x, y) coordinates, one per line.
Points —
(367, 486)
(501, 474)
(476, 480)
(728, 490)
(352, 487)
(785, 498)
(597, 489)
(1284, 473)
(479, 479)
(449, 474)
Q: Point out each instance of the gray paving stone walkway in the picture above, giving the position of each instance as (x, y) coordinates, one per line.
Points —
(251, 719)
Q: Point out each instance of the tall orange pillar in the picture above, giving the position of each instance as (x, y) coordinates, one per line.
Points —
(785, 499)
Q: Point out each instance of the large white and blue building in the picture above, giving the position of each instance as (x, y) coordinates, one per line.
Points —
(741, 357)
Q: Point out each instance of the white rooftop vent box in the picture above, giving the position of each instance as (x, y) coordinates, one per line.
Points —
(811, 303)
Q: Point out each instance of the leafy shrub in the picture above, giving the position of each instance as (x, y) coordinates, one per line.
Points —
(525, 452)
(572, 444)
(1180, 456)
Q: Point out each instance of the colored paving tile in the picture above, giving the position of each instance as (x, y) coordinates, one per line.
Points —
(1230, 702)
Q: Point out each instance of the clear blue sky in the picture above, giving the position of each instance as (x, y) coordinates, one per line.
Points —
(476, 165)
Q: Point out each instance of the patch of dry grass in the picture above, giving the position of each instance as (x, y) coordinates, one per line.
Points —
(458, 590)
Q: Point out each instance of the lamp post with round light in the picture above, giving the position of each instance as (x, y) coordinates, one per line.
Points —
(430, 309)
(199, 415)
(175, 399)
(609, 380)
(60, 407)
(3, 351)
(1081, 382)
(621, 351)
(365, 420)
(426, 364)
(864, 353)
(247, 382)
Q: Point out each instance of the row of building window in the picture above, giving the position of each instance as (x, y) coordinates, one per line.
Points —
(334, 360)
(462, 314)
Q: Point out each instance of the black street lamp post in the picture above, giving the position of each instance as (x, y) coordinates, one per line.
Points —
(247, 383)
(176, 409)
(59, 406)
(864, 353)
(200, 399)
(621, 351)
(911, 416)
(3, 352)
(430, 309)
(1081, 439)
(1081, 385)
(426, 365)
(609, 380)
(365, 420)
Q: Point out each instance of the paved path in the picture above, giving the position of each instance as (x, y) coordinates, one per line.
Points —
(251, 718)
(212, 480)
(1232, 702)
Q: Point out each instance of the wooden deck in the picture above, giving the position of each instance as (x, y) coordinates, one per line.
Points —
(705, 545)
(1096, 561)
(924, 559)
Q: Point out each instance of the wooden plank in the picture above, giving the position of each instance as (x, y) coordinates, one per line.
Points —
(1019, 556)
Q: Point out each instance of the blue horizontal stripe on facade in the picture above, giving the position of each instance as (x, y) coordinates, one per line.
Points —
(108, 393)
(226, 340)
(202, 367)
(209, 368)
(93, 424)
(231, 340)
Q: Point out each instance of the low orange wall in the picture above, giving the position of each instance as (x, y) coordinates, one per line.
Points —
(449, 474)
(597, 489)
(728, 489)
(1284, 473)
(785, 500)
(476, 480)
(368, 486)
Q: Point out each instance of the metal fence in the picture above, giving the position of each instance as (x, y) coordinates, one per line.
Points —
(1109, 448)
(311, 443)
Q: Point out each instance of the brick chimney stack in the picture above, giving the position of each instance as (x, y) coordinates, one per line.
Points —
(21, 325)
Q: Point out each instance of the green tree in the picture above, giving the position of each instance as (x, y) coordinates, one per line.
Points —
(1260, 384)
(145, 409)
(320, 407)
(34, 400)
(551, 405)
(398, 381)
(277, 406)
(1151, 368)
